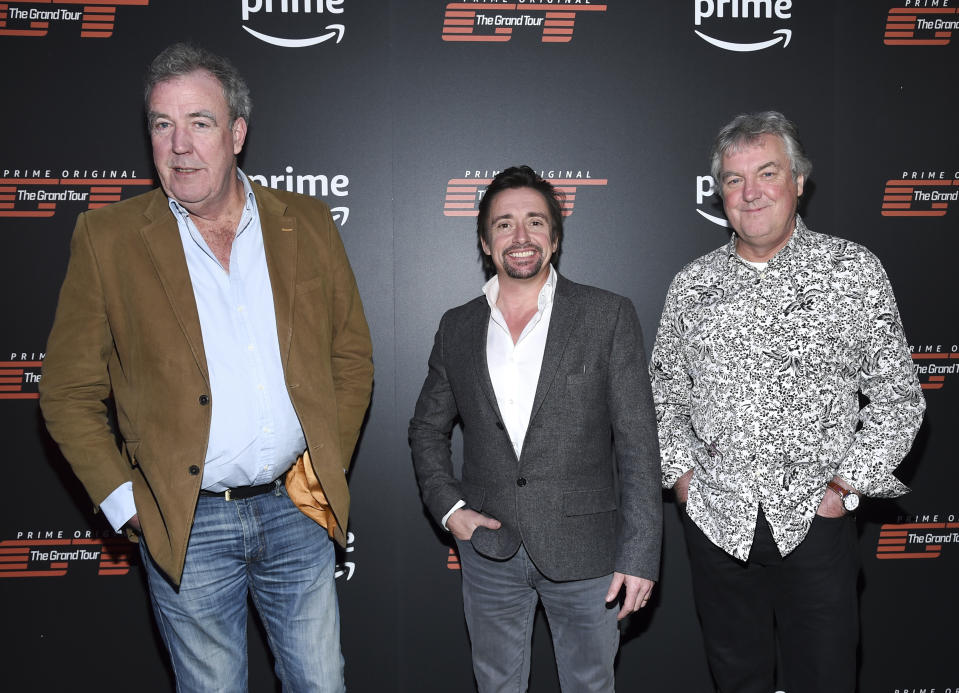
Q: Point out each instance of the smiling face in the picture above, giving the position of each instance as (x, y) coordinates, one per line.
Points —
(194, 145)
(760, 196)
(520, 241)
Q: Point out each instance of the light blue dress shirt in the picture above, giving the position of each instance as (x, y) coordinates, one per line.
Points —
(255, 434)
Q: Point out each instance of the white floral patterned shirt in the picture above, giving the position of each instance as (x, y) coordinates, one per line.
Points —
(757, 378)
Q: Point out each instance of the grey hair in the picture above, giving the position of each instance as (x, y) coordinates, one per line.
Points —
(181, 59)
(747, 128)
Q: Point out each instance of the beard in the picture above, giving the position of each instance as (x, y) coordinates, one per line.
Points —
(527, 271)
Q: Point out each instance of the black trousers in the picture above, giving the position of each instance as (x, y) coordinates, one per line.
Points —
(806, 600)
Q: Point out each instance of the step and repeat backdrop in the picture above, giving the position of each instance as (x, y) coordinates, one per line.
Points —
(398, 114)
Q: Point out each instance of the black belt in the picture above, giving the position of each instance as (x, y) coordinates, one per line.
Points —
(242, 491)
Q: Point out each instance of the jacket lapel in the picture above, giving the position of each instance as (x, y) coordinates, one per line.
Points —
(162, 239)
(477, 346)
(562, 322)
(280, 242)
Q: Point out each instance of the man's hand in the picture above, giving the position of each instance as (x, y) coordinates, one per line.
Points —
(682, 486)
(831, 503)
(464, 521)
(638, 591)
(134, 524)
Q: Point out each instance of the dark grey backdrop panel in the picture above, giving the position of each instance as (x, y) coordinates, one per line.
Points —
(70, 103)
(888, 125)
(629, 104)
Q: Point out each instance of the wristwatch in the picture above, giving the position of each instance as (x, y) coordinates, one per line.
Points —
(850, 499)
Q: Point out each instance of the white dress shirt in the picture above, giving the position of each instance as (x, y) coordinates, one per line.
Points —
(514, 368)
(255, 434)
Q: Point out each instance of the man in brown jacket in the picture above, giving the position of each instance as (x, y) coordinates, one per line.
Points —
(224, 319)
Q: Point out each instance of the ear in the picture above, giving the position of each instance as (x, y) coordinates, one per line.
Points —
(485, 246)
(800, 180)
(239, 135)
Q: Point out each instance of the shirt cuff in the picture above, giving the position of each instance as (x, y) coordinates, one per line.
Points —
(119, 506)
(459, 504)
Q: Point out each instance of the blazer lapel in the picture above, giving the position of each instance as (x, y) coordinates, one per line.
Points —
(477, 346)
(280, 242)
(162, 239)
(562, 322)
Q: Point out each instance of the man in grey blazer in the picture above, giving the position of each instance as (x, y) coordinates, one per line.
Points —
(559, 499)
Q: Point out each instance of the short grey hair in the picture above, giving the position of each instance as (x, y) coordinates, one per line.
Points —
(747, 128)
(184, 58)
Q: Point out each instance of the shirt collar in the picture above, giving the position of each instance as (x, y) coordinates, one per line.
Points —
(796, 240)
(545, 298)
(180, 212)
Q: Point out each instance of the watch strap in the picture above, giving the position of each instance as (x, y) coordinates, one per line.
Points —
(850, 499)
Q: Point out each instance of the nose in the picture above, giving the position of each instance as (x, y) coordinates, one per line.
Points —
(181, 141)
(751, 189)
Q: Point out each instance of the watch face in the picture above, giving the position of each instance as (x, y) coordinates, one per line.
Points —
(851, 501)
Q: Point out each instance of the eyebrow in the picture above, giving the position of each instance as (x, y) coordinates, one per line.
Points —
(529, 215)
(202, 114)
(153, 116)
(726, 174)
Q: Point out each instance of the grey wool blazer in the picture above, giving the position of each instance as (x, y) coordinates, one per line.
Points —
(584, 498)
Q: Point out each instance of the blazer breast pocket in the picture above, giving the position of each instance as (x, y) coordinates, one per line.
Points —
(579, 384)
(585, 396)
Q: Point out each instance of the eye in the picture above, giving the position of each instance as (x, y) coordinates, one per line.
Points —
(160, 125)
(729, 182)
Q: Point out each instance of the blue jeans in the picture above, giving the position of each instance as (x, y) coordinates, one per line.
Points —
(264, 547)
(499, 599)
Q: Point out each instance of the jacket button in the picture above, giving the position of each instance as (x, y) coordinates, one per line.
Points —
(521, 482)
(204, 400)
(499, 425)
(194, 470)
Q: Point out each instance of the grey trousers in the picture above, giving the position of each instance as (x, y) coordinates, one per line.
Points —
(499, 600)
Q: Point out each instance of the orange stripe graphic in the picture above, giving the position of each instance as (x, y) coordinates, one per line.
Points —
(452, 560)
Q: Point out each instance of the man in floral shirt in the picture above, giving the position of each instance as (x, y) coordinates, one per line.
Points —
(764, 348)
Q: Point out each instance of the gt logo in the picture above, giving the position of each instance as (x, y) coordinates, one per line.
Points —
(494, 22)
(918, 198)
(934, 26)
(463, 194)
